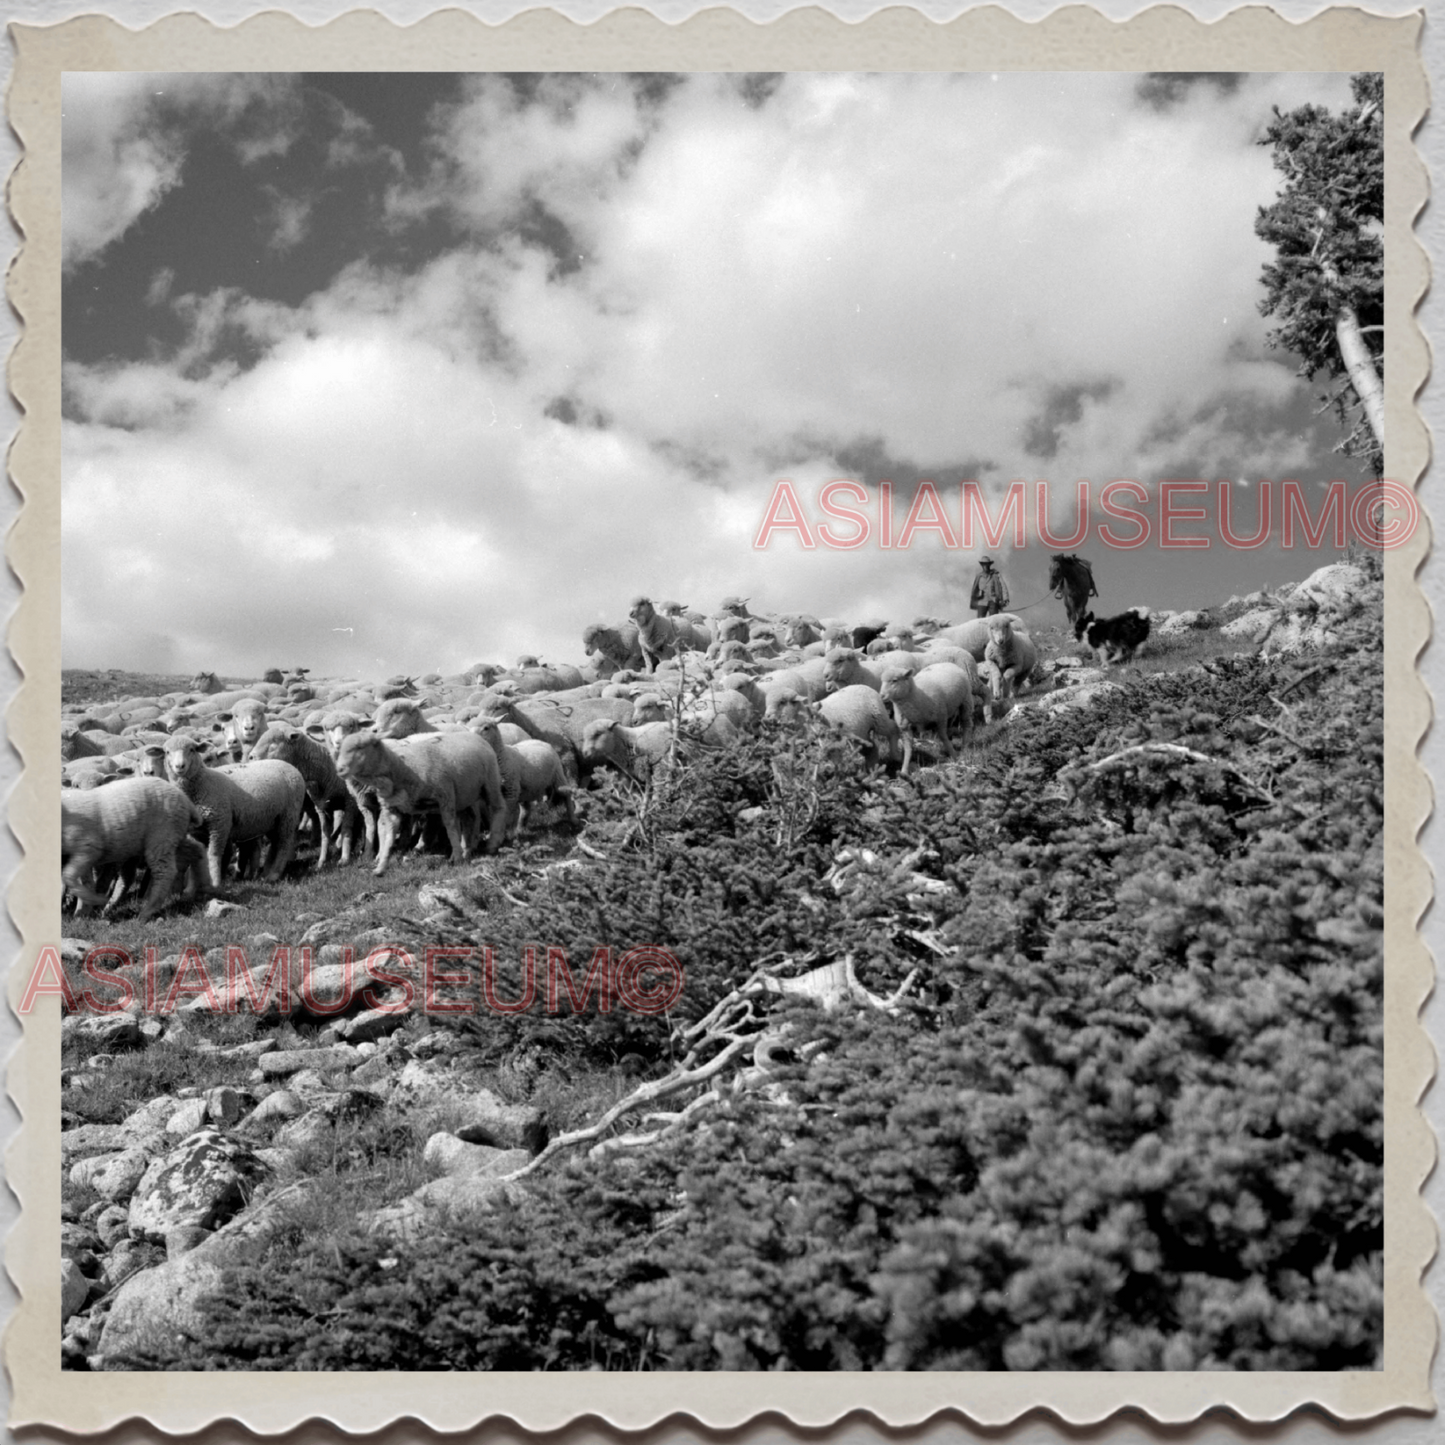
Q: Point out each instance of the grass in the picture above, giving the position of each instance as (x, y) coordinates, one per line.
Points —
(82, 686)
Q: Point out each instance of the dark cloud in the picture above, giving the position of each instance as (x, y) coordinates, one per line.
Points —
(1162, 89)
(1063, 408)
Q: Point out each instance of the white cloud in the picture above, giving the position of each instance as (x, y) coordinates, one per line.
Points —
(1050, 280)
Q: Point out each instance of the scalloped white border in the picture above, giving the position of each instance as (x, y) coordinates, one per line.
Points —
(1074, 37)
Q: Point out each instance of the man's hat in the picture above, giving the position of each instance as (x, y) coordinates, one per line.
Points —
(985, 560)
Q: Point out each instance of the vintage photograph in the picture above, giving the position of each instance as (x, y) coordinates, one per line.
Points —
(722, 721)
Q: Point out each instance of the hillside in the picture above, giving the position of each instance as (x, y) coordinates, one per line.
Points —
(1062, 1056)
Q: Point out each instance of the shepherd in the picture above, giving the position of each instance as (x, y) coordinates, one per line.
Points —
(1072, 578)
(990, 591)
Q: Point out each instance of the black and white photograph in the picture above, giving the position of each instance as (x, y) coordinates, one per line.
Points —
(723, 721)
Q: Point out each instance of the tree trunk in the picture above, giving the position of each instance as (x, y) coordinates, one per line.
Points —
(1360, 367)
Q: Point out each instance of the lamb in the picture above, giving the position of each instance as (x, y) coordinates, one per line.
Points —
(547, 729)
(616, 647)
(1010, 657)
(330, 802)
(130, 820)
(931, 697)
(247, 722)
(400, 717)
(844, 667)
(456, 773)
(656, 635)
(631, 750)
(531, 773)
(239, 803)
(861, 712)
(973, 636)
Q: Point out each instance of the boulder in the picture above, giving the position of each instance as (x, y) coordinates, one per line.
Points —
(113, 1176)
(74, 1289)
(204, 1181)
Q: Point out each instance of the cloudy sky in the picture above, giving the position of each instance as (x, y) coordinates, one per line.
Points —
(379, 373)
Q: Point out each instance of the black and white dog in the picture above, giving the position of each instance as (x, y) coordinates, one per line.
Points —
(1115, 639)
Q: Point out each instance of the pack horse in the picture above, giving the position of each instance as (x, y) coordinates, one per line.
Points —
(1072, 578)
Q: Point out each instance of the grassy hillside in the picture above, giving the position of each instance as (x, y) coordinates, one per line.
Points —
(1126, 1113)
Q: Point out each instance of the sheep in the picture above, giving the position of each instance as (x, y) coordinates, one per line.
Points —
(273, 674)
(241, 802)
(331, 804)
(865, 632)
(861, 712)
(726, 703)
(455, 772)
(531, 773)
(400, 717)
(205, 682)
(931, 697)
(338, 726)
(247, 722)
(727, 629)
(133, 819)
(539, 726)
(656, 635)
(745, 687)
(844, 666)
(786, 705)
(74, 744)
(616, 647)
(972, 636)
(800, 630)
(631, 750)
(1010, 656)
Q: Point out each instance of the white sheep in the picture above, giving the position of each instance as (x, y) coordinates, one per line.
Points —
(400, 717)
(844, 667)
(931, 697)
(239, 803)
(132, 820)
(861, 712)
(1010, 656)
(455, 773)
(633, 751)
(330, 801)
(247, 722)
(531, 774)
(656, 635)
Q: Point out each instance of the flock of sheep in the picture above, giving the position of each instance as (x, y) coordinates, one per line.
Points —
(186, 787)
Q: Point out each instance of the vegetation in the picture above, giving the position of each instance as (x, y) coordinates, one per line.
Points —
(1129, 1115)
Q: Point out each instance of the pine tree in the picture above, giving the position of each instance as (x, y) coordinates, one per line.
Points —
(1327, 283)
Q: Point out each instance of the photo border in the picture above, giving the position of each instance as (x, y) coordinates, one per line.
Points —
(1076, 38)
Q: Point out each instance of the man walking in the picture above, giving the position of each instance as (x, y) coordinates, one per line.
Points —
(990, 591)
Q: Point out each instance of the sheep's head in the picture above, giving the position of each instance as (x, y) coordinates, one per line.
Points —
(183, 758)
(489, 728)
(152, 762)
(785, 705)
(601, 742)
(839, 666)
(398, 717)
(897, 684)
(361, 758)
(649, 708)
(249, 719)
(641, 610)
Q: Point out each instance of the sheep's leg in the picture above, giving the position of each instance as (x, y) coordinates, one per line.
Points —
(316, 810)
(283, 846)
(74, 876)
(386, 826)
(220, 835)
(161, 860)
(452, 823)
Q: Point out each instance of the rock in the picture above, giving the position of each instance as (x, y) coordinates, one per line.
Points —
(74, 1289)
(456, 1157)
(1252, 625)
(151, 1030)
(109, 1031)
(203, 1181)
(487, 1120)
(113, 1176)
(223, 1106)
(219, 908)
(91, 1139)
(187, 1118)
(281, 1105)
(112, 1224)
(291, 1061)
(184, 1238)
(129, 1257)
(372, 1025)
